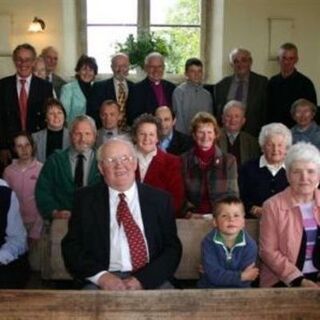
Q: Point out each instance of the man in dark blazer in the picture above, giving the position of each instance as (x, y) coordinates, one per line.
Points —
(96, 247)
(110, 89)
(245, 86)
(13, 116)
(172, 141)
(151, 92)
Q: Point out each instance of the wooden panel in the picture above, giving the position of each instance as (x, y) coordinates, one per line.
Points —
(242, 304)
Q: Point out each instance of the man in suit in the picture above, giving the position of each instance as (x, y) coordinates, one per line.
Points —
(67, 170)
(172, 141)
(245, 86)
(233, 140)
(151, 92)
(50, 56)
(117, 88)
(288, 86)
(98, 246)
(22, 98)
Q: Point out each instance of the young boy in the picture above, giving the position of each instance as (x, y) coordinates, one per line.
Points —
(190, 97)
(228, 252)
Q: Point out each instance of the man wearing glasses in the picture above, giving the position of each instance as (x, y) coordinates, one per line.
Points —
(122, 234)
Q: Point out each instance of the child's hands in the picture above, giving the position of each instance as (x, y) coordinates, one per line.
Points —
(250, 273)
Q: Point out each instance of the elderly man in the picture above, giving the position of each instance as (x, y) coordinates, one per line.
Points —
(128, 241)
(172, 141)
(67, 170)
(151, 92)
(50, 56)
(245, 86)
(22, 97)
(117, 88)
(233, 140)
(287, 87)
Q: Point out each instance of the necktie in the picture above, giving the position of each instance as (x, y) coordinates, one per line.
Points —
(78, 174)
(122, 102)
(239, 91)
(232, 138)
(23, 104)
(137, 246)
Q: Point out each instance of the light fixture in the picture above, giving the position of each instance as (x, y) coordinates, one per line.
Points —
(37, 25)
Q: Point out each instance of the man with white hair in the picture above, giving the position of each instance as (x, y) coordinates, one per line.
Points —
(151, 92)
(245, 86)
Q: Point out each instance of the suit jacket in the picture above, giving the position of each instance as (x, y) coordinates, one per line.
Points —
(57, 83)
(86, 247)
(256, 107)
(73, 100)
(40, 139)
(40, 91)
(101, 91)
(179, 143)
(165, 173)
(249, 147)
(143, 99)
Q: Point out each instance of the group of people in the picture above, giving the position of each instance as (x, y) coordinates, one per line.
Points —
(163, 152)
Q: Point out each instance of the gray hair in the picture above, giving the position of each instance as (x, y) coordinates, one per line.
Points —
(113, 140)
(303, 151)
(302, 102)
(234, 104)
(153, 55)
(235, 51)
(275, 128)
(119, 54)
(83, 118)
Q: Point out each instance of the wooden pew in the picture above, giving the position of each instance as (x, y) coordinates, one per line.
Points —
(242, 304)
(191, 233)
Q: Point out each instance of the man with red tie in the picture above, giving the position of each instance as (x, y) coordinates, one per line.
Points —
(22, 98)
(122, 235)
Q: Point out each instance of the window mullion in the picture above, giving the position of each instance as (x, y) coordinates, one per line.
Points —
(143, 16)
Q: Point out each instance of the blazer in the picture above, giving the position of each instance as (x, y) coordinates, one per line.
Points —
(143, 99)
(249, 147)
(57, 83)
(86, 247)
(165, 173)
(256, 107)
(281, 234)
(40, 91)
(179, 143)
(101, 91)
(40, 139)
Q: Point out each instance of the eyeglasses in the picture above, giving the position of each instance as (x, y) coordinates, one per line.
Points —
(25, 61)
(112, 162)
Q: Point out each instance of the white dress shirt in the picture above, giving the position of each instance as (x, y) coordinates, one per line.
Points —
(26, 85)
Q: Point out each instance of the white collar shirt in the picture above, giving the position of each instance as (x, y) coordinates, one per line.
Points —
(144, 162)
(26, 85)
(272, 169)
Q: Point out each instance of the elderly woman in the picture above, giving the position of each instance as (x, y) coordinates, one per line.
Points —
(55, 135)
(209, 174)
(290, 224)
(155, 167)
(261, 178)
(74, 95)
(303, 112)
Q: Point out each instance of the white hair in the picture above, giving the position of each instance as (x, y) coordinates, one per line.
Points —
(153, 55)
(83, 118)
(235, 51)
(232, 104)
(275, 128)
(302, 151)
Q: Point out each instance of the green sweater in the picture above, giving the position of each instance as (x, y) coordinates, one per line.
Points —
(55, 187)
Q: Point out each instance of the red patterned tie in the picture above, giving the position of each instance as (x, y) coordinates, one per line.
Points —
(23, 104)
(137, 246)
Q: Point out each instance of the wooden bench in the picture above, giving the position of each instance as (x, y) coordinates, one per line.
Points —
(241, 304)
(191, 233)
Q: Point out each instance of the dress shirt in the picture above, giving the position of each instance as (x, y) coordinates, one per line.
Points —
(232, 136)
(116, 83)
(273, 169)
(16, 235)
(165, 142)
(144, 162)
(26, 85)
(120, 259)
(87, 161)
(233, 88)
(107, 134)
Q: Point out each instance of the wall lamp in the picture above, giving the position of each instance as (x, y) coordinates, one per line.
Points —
(37, 25)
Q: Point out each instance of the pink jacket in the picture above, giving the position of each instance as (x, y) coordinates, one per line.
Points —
(23, 182)
(281, 231)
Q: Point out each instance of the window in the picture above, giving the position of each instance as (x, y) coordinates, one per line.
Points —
(176, 21)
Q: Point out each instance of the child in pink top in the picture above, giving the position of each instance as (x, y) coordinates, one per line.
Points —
(22, 176)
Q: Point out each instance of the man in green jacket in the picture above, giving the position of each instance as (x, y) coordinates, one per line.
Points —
(67, 170)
